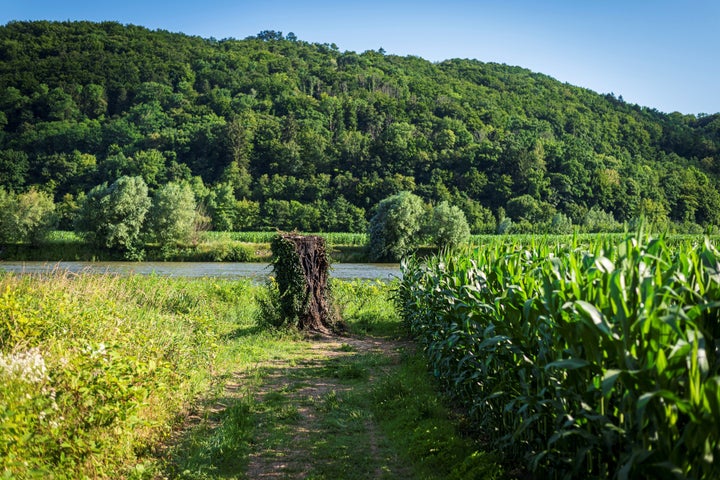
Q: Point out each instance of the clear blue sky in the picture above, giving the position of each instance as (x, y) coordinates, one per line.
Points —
(663, 54)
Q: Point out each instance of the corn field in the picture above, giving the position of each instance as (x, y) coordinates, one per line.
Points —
(579, 360)
(332, 238)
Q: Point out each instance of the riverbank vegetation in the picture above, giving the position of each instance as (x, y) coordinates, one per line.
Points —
(272, 132)
(139, 377)
(579, 359)
(255, 246)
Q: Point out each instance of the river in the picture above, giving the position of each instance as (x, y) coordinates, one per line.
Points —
(256, 271)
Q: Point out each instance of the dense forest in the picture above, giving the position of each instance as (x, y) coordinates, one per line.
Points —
(274, 132)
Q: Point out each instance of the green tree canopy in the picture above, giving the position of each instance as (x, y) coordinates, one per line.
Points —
(395, 227)
(448, 227)
(112, 216)
(279, 119)
(26, 217)
(171, 218)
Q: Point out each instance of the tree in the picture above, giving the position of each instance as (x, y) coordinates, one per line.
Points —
(342, 216)
(480, 218)
(296, 113)
(526, 210)
(112, 216)
(27, 217)
(247, 215)
(171, 218)
(395, 226)
(221, 203)
(13, 168)
(93, 102)
(448, 226)
(597, 220)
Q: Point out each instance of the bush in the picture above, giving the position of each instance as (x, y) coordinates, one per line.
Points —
(505, 226)
(561, 224)
(95, 369)
(230, 252)
(171, 218)
(597, 220)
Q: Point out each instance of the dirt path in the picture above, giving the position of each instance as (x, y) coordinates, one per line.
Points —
(313, 418)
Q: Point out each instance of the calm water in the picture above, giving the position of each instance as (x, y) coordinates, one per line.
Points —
(256, 271)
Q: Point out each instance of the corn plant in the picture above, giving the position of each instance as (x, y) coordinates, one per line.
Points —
(593, 358)
(332, 238)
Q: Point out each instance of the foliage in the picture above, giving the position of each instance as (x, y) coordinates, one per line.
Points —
(394, 228)
(315, 137)
(448, 227)
(171, 218)
(597, 220)
(269, 313)
(289, 280)
(301, 268)
(94, 370)
(332, 238)
(582, 360)
(26, 217)
(112, 216)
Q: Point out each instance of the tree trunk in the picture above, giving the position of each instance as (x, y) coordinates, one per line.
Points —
(309, 298)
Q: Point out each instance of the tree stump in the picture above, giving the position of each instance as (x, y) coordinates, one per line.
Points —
(301, 269)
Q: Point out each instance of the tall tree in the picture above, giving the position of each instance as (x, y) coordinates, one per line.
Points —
(112, 216)
(171, 217)
(395, 226)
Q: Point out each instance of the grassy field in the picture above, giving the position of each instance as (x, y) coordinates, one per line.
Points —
(332, 238)
(151, 377)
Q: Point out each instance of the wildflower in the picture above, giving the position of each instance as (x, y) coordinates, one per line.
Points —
(26, 366)
(100, 351)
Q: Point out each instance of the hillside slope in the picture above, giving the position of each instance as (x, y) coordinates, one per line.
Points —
(277, 132)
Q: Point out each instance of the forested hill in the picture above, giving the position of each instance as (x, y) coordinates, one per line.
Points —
(272, 131)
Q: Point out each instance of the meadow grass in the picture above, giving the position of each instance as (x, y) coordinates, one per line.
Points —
(381, 417)
(332, 238)
(103, 375)
(120, 358)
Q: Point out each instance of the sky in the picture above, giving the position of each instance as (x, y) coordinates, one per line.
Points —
(662, 54)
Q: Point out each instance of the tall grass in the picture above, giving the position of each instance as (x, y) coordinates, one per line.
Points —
(94, 369)
(583, 360)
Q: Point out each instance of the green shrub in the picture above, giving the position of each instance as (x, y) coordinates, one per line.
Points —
(94, 369)
(112, 216)
(171, 218)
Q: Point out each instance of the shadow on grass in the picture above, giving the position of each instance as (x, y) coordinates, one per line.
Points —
(308, 416)
(242, 332)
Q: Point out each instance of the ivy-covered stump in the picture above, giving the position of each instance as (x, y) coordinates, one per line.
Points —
(301, 269)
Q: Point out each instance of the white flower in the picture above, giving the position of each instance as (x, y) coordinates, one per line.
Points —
(100, 351)
(26, 366)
